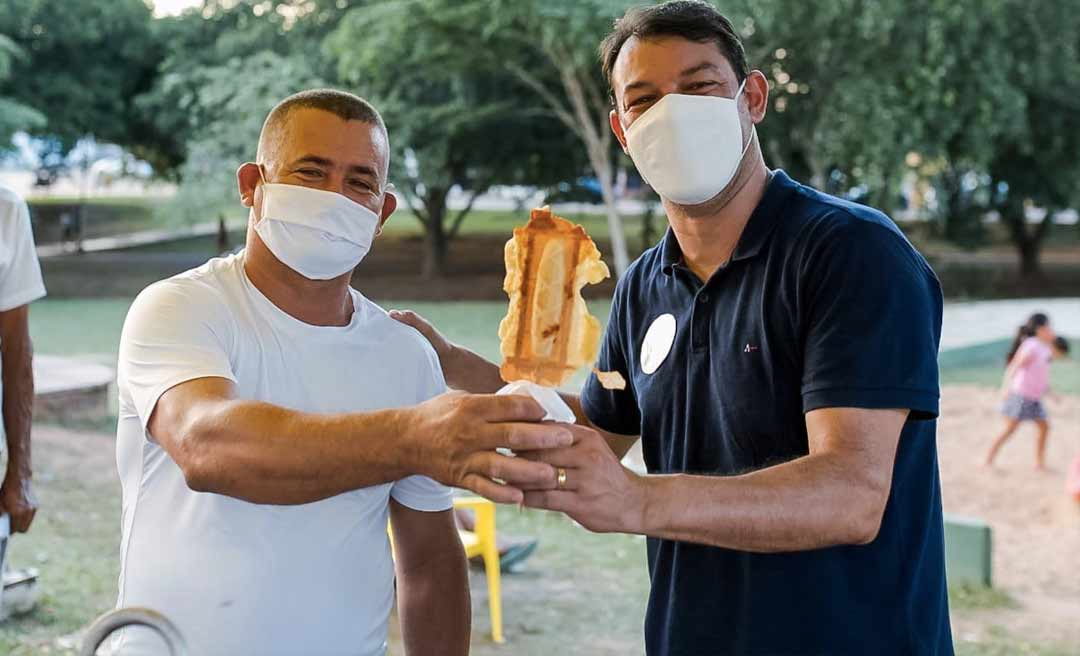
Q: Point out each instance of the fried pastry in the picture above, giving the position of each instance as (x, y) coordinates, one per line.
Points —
(610, 380)
(548, 332)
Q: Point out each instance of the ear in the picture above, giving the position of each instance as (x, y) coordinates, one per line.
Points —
(756, 93)
(390, 203)
(617, 128)
(248, 177)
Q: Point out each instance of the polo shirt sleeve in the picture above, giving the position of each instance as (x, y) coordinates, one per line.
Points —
(615, 411)
(176, 330)
(871, 324)
(20, 273)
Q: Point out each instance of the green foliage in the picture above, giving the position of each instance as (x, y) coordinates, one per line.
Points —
(213, 36)
(13, 115)
(973, 597)
(84, 63)
(978, 98)
(452, 122)
(227, 65)
(1038, 163)
(857, 86)
(232, 135)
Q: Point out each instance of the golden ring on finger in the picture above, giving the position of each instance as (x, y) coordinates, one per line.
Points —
(561, 479)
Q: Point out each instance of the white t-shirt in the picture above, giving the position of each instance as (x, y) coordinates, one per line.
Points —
(20, 273)
(240, 578)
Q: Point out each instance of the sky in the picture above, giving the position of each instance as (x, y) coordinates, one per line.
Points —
(170, 7)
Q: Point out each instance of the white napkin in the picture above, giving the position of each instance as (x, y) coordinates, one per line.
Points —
(549, 400)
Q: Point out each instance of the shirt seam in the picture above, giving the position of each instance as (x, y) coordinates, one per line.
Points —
(412, 500)
(917, 390)
(172, 382)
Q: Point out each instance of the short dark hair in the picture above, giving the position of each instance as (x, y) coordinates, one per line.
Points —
(342, 104)
(690, 19)
(1061, 344)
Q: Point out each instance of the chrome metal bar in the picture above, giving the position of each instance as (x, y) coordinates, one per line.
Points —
(105, 625)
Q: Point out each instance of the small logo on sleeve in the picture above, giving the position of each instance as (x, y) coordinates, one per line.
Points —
(751, 348)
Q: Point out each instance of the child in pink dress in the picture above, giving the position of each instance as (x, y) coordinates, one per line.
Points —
(1027, 380)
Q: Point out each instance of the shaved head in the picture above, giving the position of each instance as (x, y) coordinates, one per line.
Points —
(345, 106)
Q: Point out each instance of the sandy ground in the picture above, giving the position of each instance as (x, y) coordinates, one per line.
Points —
(1036, 527)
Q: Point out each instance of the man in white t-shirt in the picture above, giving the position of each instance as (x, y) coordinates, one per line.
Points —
(20, 284)
(272, 419)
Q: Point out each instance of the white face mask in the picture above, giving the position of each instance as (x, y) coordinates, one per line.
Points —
(688, 148)
(319, 234)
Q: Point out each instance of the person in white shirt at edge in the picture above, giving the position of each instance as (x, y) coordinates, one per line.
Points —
(272, 418)
(20, 284)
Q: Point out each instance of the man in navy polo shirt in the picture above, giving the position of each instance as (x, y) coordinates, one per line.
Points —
(780, 347)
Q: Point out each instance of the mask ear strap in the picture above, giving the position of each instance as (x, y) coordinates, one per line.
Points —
(753, 133)
(753, 127)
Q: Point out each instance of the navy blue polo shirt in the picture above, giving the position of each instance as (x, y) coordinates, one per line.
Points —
(824, 303)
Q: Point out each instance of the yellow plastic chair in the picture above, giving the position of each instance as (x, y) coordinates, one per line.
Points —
(481, 542)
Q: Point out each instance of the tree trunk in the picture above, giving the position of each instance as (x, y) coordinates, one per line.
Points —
(1029, 250)
(648, 225)
(1028, 242)
(435, 237)
(618, 240)
(588, 117)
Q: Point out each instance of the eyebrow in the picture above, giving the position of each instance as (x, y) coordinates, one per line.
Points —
(703, 66)
(363, 169)
(697, 68)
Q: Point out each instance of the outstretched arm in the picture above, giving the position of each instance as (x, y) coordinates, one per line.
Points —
(264, 453)
(835, 495)
(432, 582)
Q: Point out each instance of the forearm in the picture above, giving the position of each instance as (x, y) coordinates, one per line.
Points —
(470, 372)
(808, 503)
(434, 605)
(268, 454)
(18, 403)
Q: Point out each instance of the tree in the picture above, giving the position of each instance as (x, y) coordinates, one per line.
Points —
(549, 50)
(452, 124)
(1038, 165)
(843, 92)
(213, 35)
(227, 65)
(222, 143)
(84, 63)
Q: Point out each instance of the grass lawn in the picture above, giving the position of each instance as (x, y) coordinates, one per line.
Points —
(984, 364)
(87, 326)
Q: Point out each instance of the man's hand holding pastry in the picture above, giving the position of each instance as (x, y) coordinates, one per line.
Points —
(456, 437)
(591, 485)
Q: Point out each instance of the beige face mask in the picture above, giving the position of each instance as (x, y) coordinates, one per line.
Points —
(688, 147)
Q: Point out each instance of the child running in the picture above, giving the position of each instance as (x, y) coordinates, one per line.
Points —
(1026, 381)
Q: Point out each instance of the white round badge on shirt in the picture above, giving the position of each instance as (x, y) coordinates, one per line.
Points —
(657, 343)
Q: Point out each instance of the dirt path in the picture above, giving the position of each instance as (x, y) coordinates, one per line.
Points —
(1036, 527)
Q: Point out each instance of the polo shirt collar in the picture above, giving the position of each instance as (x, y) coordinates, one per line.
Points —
(756, 232)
